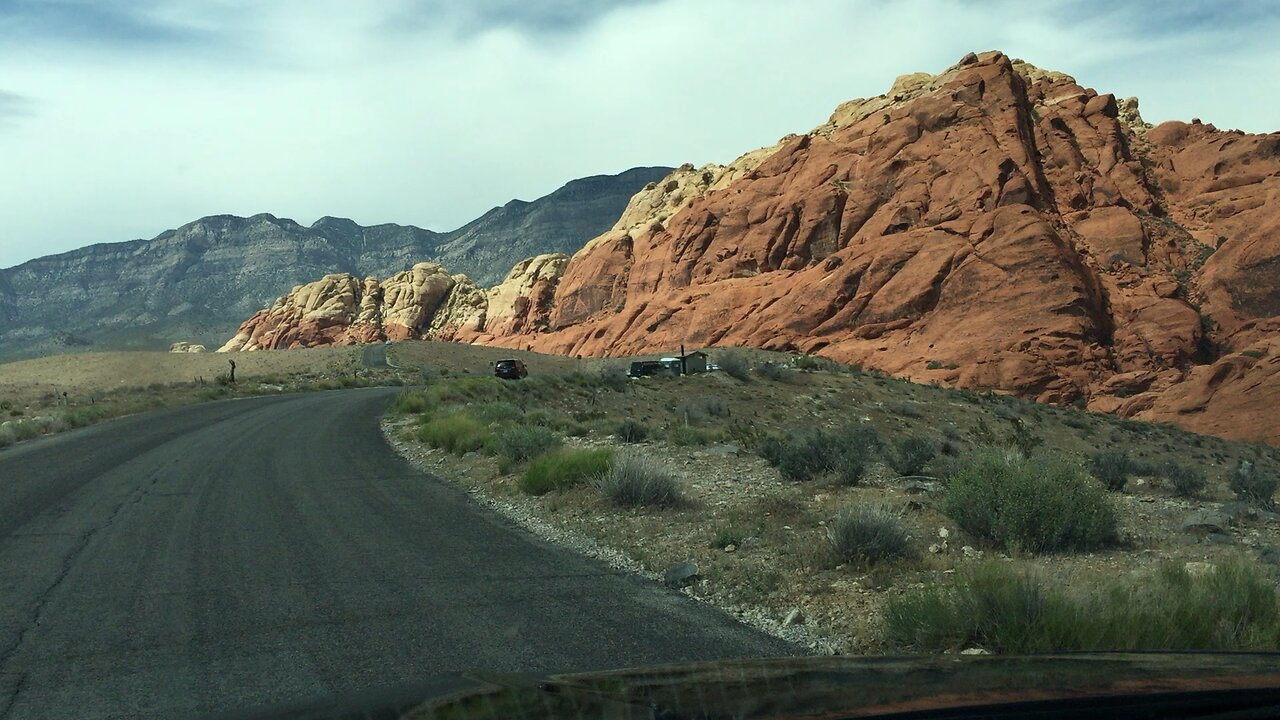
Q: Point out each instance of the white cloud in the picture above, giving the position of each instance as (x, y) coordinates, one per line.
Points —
(392, 111)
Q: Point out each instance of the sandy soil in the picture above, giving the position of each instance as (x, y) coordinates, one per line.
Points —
(27, 381)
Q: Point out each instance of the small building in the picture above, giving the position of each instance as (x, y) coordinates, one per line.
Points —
(694, 362)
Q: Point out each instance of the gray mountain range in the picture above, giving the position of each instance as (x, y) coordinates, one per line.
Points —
(198, 282)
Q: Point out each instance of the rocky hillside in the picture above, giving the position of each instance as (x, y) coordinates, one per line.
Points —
(993, 226)
(197, 282)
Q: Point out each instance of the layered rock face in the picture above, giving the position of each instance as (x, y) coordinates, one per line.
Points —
(993, 226)
(425, 302)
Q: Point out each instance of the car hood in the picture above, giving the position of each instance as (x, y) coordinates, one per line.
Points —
(1067, 684)
(835, 687)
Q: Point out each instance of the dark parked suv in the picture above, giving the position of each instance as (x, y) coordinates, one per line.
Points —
(510, 369)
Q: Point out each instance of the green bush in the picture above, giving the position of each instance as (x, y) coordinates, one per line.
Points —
(410, 403)
(912, 454)
(1231, 607)
(212, 393)
(1186, 480)
(83, 416)
(727, 536)
(631, 431)
(1253, 485)
(456, 432)
(1042, 504)
(470, 389)
(802, 455)
(564, 468)
(26, 429)
(868, 536)
(614, 378)
(515, 445)
(1111, 467)
(498, 411)
(773, 371)
(734, 364)
(634, 481)
(682, 435)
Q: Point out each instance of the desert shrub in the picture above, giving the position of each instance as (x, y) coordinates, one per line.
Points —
(456, 432)
(682, 435)
(773, 371)
(727, 536)
(1042, 504)
(634, 481)
(499, 412)
(470, 389)
(410, 403)
(7, 436)
(564, 468)
(631, 431)
(212, 393)
(614, 378)
(906, 409)
(1231, 607)
(26, 429)
(1254, 485)
(515, 445)
(809, 363)
(83, 416)
(1112, 467)
(6, 405)
(223, 379)
(867, 536)
(734, 364)
(1185, 480)
(911, 454)
(843, 453)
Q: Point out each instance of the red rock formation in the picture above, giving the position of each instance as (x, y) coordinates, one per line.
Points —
(994, 226)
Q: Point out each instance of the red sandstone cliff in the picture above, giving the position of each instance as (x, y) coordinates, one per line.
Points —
(994, 226)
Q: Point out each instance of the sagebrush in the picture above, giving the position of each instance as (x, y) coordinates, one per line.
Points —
(1041, 503)
(1005, 610)
(634, 481)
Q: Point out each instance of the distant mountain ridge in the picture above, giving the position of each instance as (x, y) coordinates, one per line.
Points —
(198, 281)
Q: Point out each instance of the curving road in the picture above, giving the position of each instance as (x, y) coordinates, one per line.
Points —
(272, 552)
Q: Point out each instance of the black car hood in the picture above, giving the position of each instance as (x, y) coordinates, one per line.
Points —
(1059, 685)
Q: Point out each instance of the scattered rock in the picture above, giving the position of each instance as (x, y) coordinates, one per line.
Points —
(1199, 568)
(1203, 522)
(975, 651)
(918, 487)
(795, 617)
(971, 553)
(944, 533)
(1220, 539)
(726, 449)
(681, 574)
(730, 548)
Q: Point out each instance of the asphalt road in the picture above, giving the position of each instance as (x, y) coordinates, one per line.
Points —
(267, 552)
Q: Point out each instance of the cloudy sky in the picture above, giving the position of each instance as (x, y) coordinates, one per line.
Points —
(122, 118)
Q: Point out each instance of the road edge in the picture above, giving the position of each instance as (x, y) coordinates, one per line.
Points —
(804, 636)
